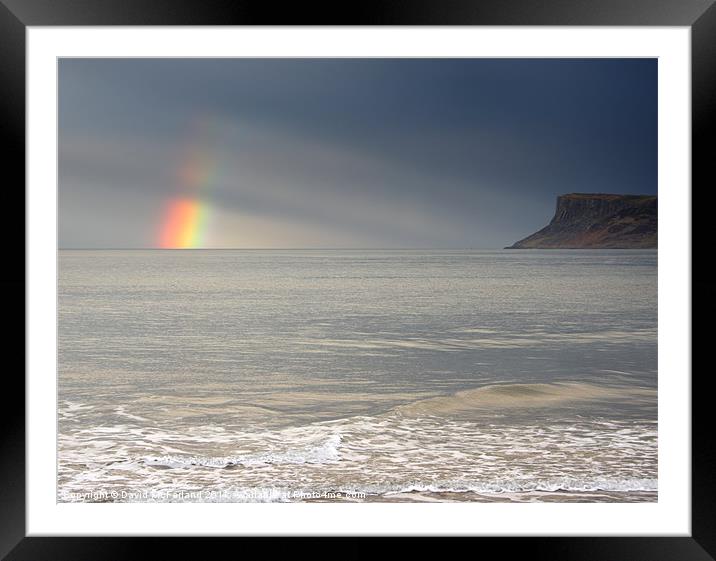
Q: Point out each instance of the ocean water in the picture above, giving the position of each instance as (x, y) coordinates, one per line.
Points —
(357, 376)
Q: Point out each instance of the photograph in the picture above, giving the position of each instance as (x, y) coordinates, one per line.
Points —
(357, 280)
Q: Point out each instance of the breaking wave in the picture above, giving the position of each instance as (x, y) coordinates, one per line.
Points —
(521, 396)
(317, 454)
(422, 449)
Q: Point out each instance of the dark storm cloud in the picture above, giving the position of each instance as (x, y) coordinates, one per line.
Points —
(352, 152)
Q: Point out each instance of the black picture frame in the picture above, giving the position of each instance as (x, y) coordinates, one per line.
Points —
(16, 15)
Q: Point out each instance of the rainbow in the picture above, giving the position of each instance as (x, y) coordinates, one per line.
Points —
(186, 216)
(184, 224)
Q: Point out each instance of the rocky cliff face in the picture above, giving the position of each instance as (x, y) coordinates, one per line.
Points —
(598, 221)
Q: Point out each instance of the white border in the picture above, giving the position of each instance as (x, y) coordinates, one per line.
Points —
(670, 516)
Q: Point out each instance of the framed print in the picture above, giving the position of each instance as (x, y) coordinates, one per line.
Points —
(403, 274)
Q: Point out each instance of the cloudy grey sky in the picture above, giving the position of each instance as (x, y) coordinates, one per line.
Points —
(461, 153)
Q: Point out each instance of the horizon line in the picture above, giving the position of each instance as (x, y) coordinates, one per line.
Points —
(352, 249)
(276, 248)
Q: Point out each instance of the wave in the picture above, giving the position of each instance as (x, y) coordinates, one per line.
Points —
(518, 486)
(320, 453)
(448, 448)
(502, 396)
(507, 490)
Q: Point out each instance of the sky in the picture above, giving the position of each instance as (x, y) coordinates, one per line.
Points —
(343, 153)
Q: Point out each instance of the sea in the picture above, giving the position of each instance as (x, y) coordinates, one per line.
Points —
(357, 376)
